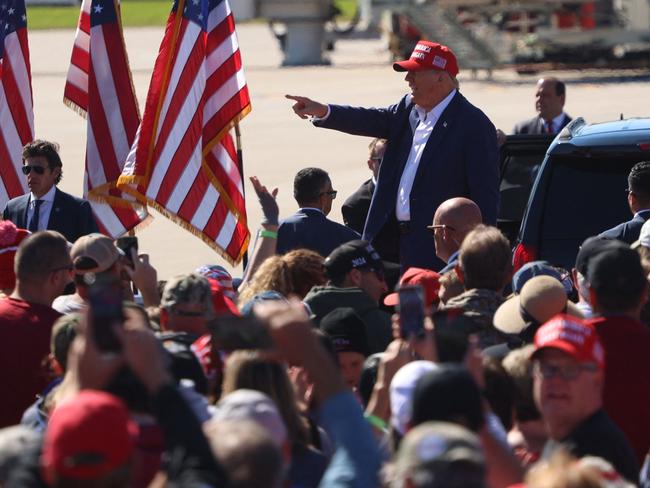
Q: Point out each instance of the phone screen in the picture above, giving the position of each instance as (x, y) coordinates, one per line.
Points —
(105, 297)
(452, 330)
(411, 311)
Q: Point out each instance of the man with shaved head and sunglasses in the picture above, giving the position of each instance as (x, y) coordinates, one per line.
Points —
(46, 207)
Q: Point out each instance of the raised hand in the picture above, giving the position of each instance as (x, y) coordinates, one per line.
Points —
(306, 107)
(267, 201)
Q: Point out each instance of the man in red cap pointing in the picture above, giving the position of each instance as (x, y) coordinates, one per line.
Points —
(439, 146)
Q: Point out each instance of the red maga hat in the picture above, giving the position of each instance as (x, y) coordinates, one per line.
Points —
(88, 437)
(428, 56)
(427, 279)
(572, 336)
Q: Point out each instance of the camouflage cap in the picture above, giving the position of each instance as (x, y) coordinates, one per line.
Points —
(188, 289)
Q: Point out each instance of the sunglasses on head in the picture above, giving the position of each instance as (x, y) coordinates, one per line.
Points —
(39, 170)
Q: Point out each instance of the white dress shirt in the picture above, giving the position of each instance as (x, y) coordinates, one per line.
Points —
(44, 210)
(422, 124)
(556, 123)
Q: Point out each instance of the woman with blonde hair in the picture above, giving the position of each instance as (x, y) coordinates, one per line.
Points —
(291, 274)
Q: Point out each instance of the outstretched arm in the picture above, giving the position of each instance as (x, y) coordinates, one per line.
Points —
(360, 121)
(306, 107)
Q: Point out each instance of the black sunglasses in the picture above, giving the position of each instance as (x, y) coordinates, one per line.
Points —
(39, 170)
(378, 272)
(331, 193)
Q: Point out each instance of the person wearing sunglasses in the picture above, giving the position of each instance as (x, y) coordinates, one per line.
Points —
(453, 220)
(186, 306)
(356, 279)
(569, 377)
(46, 207)
(356, 206)
(309, 227)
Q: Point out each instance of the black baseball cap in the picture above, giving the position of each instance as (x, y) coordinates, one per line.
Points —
(355, 254)
(446, 394)
(618, 270)
(590, 248)
(346, 330)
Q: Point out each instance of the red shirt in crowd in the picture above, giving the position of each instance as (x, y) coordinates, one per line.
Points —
(627, 377)
(25, 330)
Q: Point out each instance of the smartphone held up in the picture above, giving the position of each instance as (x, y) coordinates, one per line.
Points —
(411, 311)
(106, 313)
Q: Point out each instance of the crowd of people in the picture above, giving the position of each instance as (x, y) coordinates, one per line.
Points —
(399, 349)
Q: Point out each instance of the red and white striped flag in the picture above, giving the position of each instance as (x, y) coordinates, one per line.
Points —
(99, 87)
(184, 163)
(16, 107)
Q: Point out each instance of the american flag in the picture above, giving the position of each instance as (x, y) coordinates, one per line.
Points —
(16, 107)
(184, 163)
(99, 87)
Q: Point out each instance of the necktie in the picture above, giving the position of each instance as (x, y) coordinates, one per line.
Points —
(548, 127)
(33, 224)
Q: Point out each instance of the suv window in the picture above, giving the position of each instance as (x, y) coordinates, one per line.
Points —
(589, 194)
(521, 157)
(516, 183)
(582, 197)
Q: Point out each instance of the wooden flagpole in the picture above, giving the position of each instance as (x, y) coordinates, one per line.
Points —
(240, 162)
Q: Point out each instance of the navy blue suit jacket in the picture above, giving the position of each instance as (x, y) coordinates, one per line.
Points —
(628, 231)
(310, 229)
(460, 159)
(71, 216)
(536, 125)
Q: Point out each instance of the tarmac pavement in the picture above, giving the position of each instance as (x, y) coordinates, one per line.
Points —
(276, 143)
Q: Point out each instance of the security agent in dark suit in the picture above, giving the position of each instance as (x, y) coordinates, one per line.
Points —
(549, 104)
(46, 207)
(638, 198)
(439, 146)
(355, 208)
(309, 227)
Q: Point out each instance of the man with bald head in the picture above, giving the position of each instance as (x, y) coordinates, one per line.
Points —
(453, 220)
(549, 104)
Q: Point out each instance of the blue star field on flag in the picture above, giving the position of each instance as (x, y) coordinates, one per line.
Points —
(102, 12)
(197, 11)
(12, 17)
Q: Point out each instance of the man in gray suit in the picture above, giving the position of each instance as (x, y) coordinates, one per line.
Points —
(46, 207)
(549, 104)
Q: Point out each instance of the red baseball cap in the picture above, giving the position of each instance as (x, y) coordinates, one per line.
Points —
(427, 56)
(427, 279)
(572, 336)
(88, 437)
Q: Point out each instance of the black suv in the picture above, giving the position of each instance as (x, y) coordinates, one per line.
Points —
(577, 191)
